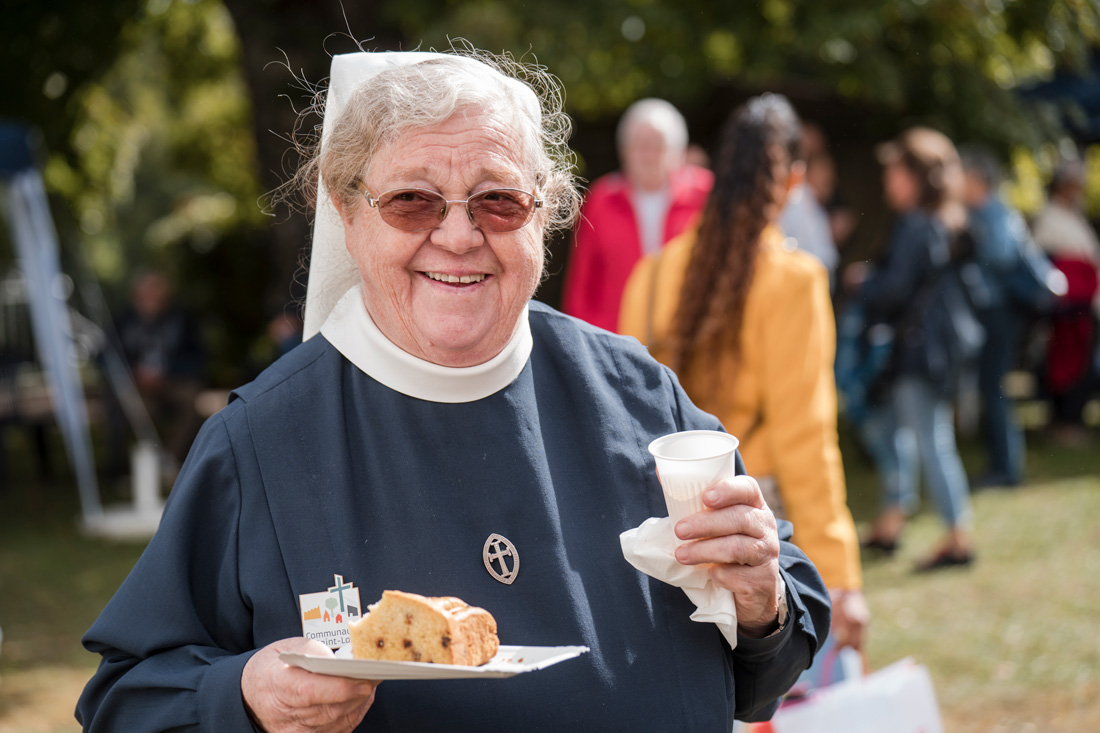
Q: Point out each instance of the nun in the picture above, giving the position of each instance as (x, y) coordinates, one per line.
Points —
(442, 433)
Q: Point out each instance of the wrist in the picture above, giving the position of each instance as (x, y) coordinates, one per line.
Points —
(778, 621)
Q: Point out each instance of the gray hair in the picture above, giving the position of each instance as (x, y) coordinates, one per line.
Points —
(429, 93)
(660, 115)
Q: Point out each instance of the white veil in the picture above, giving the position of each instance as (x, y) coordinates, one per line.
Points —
(331, 269)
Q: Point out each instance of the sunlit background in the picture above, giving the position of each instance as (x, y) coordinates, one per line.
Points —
(162, 126)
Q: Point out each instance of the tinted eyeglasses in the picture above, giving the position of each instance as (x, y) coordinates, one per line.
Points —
(418, 209)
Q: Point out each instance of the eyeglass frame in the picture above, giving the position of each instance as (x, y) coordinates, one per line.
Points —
(373, 202)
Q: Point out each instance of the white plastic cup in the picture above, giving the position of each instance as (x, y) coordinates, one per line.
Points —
(689, 463)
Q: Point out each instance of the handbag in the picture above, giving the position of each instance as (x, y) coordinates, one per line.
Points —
(899, 698)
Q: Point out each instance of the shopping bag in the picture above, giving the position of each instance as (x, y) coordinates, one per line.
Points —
(831, 666)
(896, 699)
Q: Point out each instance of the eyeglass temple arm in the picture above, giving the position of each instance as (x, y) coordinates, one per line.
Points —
(371, 200)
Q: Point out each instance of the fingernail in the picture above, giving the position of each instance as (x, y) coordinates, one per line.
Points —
(682, 529)
(710, 495)
(681, 555)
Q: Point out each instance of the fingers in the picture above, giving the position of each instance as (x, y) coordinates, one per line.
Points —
(736, 490)
(736, 526)
(281, 697)
(336, 718)
(736, 536)
(851, 617)
(311, 646)
(305, 689)
(736, 549)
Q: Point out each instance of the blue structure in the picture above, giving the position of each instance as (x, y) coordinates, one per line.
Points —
(1078, 94)
(27, 213)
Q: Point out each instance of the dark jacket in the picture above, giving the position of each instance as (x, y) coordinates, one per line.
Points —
(918, 289)
(316, 469)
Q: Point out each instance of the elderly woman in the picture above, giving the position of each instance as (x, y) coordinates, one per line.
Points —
(437, 408)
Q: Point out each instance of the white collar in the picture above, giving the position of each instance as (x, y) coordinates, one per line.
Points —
(351, 330)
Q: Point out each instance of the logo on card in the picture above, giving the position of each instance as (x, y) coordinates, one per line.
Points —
(325, 615)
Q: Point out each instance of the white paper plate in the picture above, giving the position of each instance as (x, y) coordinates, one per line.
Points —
(509, 661)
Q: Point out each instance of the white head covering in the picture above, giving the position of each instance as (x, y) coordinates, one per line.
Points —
(331, 269)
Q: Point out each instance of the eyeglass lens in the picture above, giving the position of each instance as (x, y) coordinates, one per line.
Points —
(495, 210)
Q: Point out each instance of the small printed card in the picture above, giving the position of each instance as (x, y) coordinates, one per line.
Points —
(325, 615)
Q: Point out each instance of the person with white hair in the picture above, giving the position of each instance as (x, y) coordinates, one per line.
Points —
(633, 212)
(436, 427)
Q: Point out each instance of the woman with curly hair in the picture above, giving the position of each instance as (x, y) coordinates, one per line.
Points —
(746, 322)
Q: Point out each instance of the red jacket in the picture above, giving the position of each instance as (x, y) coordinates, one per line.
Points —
(608, 244)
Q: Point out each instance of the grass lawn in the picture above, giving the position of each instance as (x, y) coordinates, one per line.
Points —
(1013, 643)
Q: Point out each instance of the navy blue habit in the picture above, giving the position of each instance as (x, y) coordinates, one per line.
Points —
(316, 469)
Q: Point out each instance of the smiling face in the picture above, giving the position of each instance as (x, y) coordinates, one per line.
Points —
(452, 295)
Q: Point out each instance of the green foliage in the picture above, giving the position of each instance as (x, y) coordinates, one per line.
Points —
(150, 154)
(51, 50)
(162, 157)
(951, 63)
(1008, 646)
(153, 149)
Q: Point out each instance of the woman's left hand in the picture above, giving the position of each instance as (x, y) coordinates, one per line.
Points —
(737, 534)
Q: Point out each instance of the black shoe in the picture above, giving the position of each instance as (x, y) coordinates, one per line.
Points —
(944, 559)
(879, 544)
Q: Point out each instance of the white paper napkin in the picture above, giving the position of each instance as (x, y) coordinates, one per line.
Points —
(651, 549)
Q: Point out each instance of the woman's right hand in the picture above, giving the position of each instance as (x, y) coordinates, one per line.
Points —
(283, 698)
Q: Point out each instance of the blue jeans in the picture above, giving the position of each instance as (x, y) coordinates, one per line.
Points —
(922, 409)
(894, 452)
(1004, 440)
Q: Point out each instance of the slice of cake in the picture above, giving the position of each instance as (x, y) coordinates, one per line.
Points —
(408, 627)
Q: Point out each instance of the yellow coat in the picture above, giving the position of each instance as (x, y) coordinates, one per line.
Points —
(788, 341)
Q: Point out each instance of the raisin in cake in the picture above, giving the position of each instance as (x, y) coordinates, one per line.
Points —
(411, 628)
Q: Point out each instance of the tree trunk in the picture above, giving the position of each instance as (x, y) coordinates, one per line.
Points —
(275, 35)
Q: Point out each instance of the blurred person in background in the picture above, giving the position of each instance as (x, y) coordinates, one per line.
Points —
(1063, 232)
(804, 218)
(1000, 236)
(285, 332)
(161, 343)
(915, 290)
(747, 324)
(633, 212)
